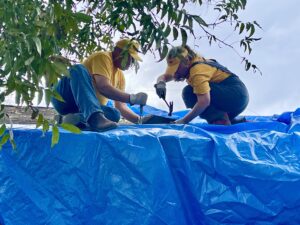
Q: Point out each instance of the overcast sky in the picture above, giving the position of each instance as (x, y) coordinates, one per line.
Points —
(277, 55)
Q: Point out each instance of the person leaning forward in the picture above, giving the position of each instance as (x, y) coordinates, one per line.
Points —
(213, 92)
(90, 84)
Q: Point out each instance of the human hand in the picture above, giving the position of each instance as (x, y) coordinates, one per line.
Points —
(138, 99)
(179, 121)
(161, 89)
(146, 118)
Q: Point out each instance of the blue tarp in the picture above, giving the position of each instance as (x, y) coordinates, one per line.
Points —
(156, 174)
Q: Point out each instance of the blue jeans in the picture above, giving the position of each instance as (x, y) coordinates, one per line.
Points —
(80, 96)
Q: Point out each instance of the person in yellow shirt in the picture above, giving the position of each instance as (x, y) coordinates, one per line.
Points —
(90, 84)
(213, 92)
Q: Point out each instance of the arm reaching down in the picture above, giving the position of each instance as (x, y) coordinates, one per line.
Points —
(126, 112)
(203, 101)
(105, 88)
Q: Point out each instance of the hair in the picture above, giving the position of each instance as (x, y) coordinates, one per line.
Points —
(191, 53)
(177, 51)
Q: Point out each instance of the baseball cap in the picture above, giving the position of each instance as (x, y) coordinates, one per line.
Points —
(174, 57)
(132, 46)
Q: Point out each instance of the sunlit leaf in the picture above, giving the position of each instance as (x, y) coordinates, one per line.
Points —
(70, 128)
(45, 126)
(60, 68)
(40, 121)
(55, 136)
(29, 61)
(2, 129)
(57, 96)
(38, 45)
(4, 139)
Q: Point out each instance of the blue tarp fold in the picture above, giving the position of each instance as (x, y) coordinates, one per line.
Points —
(247, 173)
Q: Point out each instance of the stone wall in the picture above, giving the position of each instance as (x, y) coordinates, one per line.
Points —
(22, 115)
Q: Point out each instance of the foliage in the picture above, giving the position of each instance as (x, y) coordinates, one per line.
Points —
(39, 39)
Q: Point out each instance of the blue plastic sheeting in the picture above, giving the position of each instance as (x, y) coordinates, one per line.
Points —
(155, 174)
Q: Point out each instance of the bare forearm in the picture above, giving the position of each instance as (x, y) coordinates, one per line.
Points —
(104, 87)
(114, 94)
(164, 78)
(196, 111)
(126, 112)
(130, 116)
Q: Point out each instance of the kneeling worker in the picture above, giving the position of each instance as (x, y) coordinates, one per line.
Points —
(90, 85)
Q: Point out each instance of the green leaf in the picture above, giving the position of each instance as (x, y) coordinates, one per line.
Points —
(40, 120)
(35, 112)
(70, 128)
(82, 17)
(40, 96)
(57, 96)
(257, 24)
(175, 33)
(55, 136)
(167, 31)
(247, 65)
(252, 30)
(4, 139)
(190, 21)
(2, 129)
(244, 2)
(163, 53)
(200, 21)
(18, 97)
(45, 125)
(242, 27)
(38, 45)
(60, 68)
(183, 36)
(48, 94)
(29, 61)
(164, 11)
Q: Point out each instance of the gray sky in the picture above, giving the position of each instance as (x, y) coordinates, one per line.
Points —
(277, 55)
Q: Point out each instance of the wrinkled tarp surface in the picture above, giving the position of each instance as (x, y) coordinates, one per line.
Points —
(247, 173)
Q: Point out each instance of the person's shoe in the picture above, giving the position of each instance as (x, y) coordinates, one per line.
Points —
(98, 122)
(222, 121)
(74, 119)
(238, 120)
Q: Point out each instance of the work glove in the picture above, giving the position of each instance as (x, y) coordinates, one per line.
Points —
(138, 99)
(161, 89)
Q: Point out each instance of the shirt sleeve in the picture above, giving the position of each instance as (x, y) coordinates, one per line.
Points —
(101, 65)
(200, 75)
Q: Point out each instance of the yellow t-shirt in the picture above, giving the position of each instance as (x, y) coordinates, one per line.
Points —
(101, 64)
(201, 74)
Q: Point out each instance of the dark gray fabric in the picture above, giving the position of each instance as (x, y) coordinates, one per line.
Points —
(230, 95)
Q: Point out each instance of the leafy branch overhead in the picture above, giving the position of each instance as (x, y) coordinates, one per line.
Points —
(39, 39)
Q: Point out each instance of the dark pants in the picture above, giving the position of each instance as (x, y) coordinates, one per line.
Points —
(80, 96)
(230, 96)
